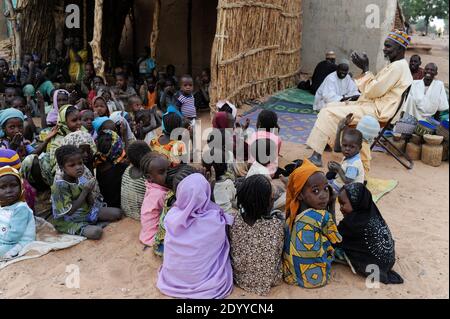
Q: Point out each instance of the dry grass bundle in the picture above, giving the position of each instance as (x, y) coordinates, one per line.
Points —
(37, 36)
(256, 50)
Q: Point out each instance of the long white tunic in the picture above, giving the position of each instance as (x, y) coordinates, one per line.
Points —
(424, 102)
(333, 89)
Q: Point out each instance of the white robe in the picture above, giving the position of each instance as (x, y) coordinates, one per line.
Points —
(333, 89)
(422, 103)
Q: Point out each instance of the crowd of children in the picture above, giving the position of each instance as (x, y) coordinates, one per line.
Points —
(109, 152)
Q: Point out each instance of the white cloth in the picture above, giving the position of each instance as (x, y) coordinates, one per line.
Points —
(333, 89)
(47, 240)
(225, 195)
(258, 169)
(423, 102)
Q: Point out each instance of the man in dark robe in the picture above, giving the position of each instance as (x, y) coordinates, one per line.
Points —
(417, 72)
(322, 70)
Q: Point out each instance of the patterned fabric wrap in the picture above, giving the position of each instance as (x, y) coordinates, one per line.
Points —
(308, 251)
(116, 153)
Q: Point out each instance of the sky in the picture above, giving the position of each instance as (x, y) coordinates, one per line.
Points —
(439, 23)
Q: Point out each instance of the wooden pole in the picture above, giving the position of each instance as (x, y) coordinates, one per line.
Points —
(96, 43)
(189, 37)
(134, 30)
(85, 36)
(16, 44)
(155, 29)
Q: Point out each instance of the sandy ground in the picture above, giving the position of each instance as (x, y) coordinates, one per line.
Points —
(117, 267)
(416, 211)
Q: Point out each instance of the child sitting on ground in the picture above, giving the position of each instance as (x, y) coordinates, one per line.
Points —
(29, 129)
(351, 170)
(75, 210)
(366, 238)
(268, 128)
(196, 239)
(87, 117)
(133, 182)
(133, 106)
(185, 100)
(108, 95)
(223, 187)
(264, 151)
(183, 172)
(105, 123)
(173, 150)
(149, 93)
(310, 228)
(255, 256)
(147, 121)
(17, 225)
(154, 166)
(110, 166)
(12, 132)
(100, 107)
(167, 95)
(125, 90)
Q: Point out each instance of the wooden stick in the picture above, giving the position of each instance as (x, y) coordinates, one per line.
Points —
(155, 29)
(99, 63)
(16, 37)
(85, 36)
(189, 36)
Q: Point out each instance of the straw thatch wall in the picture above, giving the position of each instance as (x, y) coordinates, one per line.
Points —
(256, 50)
(37, 26)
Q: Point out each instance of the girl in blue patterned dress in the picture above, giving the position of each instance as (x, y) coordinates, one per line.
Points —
(310, 228)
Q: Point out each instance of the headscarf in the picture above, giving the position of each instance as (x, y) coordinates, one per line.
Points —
(196, 238)
(52, 116)
(8, 114)
(366, 237)
(80, 138)
(8, 170)
(220, 120)
(99, 121)
(400, 37)
(116, 153)
(9, 158)
(369, 127)
(62, 121)
(119, 117)
(28, 90)
(99, 97)
(297, 181)
(222, 103)
(170, 109)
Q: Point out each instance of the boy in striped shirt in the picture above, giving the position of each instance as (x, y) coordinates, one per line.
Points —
(185, 101)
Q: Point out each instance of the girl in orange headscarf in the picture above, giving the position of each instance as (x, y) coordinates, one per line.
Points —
(17, 226)
(311, 229)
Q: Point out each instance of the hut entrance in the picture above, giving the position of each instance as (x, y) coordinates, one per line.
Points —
(186, 30)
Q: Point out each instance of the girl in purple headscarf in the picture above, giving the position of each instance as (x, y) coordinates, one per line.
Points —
(196, 249)
(60, 98)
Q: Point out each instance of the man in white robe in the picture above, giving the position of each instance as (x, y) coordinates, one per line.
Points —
(380, 96)
(337, 87)
(427, 96)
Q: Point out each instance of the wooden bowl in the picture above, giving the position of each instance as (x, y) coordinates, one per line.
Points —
(433, 139)
(397, 137)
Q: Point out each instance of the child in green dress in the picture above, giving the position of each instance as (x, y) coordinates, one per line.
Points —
(75, 210)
